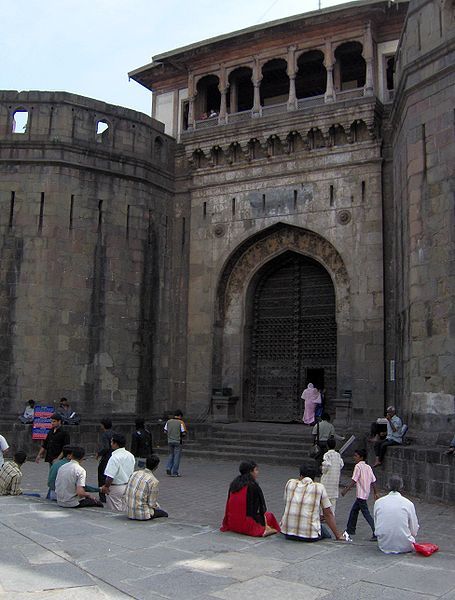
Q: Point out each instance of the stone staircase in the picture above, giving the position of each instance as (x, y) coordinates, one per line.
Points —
(268, 443)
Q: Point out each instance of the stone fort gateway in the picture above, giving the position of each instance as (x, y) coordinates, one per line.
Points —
(286, 215)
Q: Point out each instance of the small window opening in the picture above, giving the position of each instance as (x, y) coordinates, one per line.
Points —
(41, 213)
(20, 121)
(332, 195)
(204, 210)
(263, 202)
(11, 210)
(100, 215)
(424, 149)
(101, 127)
(149, 229)
(158, 149)
(363, 191)
(389, 72)
(295, 199)
(71, 211)
(233, 206)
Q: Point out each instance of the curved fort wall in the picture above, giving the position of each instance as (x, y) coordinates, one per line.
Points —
(83, 215)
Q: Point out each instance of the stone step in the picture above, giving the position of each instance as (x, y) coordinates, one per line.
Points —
(271, 459)
(285, 444)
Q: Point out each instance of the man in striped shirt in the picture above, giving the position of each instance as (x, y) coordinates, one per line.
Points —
(304, 500)
(11, 475)
(363, 478)
(141, 496)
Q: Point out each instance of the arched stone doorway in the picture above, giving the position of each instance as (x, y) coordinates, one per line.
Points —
(261, 265)
(291, 337)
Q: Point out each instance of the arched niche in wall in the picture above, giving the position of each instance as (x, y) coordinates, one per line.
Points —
(208, 96)
(350, 66)
(234, 298)
(275, 82)
(241, 91)
(311, 77)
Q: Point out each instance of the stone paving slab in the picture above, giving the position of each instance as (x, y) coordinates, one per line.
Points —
(47, 552)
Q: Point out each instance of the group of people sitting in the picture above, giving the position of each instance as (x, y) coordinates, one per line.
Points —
(69, 416)
(309, 512)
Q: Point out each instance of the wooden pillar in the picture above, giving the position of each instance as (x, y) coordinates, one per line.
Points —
(256, 79)
(367, 54)
(291, 71)
(329, 95)
(191, 99)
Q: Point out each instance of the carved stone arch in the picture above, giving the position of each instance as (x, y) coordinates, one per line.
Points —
(234, 283)
(245, 65)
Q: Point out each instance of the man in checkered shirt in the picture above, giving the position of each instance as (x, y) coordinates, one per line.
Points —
(11, 475)
(304, 501)
(141, 495)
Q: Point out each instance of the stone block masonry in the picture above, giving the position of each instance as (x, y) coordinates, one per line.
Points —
(84, 190)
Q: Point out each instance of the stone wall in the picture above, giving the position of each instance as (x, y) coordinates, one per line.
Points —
(84, 249)
(424, 219)
(323, 201)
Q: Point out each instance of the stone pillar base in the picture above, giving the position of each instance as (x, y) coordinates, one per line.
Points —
(224, 409)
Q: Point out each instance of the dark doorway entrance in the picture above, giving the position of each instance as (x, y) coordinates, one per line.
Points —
(291, 335)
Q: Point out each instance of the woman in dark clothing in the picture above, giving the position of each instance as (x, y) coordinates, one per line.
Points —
(104, 452)
(246, 511)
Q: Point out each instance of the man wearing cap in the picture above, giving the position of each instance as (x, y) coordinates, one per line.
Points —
(57, 437)
(393, 437)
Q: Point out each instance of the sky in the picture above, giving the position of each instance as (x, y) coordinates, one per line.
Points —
(89, 46)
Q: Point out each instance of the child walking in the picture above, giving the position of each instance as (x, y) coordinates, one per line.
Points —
(363, 477)
(332, 463)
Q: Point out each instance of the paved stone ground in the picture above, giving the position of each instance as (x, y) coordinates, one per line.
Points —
(51, 553)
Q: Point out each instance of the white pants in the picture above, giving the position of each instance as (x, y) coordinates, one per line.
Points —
(115, 500)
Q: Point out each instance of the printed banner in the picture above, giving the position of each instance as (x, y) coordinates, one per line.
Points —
(42, 422)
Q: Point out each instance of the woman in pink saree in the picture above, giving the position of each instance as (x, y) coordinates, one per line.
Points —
(312, 397)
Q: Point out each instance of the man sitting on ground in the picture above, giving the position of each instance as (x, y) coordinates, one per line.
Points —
(395, 520)
(70, 484)
(11, 475)
(51, 495)
(141, 494)
(394, 436)
(304, 500)
(118, 471)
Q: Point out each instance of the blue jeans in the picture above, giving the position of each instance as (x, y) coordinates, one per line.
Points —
(359, 505)
(173, 463)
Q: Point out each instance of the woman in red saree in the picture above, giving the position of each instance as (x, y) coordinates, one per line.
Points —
(246, 511)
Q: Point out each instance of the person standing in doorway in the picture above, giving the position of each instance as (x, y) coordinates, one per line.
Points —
(312, 399)
(176, 431)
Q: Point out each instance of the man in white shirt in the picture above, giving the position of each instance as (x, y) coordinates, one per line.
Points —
(395, 520)
(118, 471)
(3, 449)
(70, 483)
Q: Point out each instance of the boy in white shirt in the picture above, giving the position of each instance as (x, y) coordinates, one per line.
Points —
(332, 464)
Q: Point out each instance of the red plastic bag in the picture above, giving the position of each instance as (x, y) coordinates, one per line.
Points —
(426, 548)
